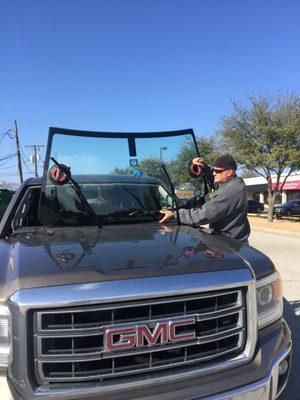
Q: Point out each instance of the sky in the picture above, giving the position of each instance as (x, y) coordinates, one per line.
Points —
(138, 65)
(93, 155)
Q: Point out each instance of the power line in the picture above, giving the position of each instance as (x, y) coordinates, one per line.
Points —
(5, 162)
(36, 148)
(2, 136)
(25, 139)
(18, 151)
(10, 135)
(6, 132)
(22, 158)
(16, 173)
(24, 162)
(8, 157)
(23, 152)
(13, 134)
(11, 166)
(11, 145)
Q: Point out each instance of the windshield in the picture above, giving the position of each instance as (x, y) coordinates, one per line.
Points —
(120, 175)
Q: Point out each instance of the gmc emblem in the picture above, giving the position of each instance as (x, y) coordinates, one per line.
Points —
(150, 334)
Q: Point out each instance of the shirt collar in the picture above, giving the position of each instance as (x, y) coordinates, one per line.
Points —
(230, 179)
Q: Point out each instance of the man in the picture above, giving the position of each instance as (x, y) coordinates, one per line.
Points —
(226, 210)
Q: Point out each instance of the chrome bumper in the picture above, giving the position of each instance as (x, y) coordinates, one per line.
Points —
(264, 389)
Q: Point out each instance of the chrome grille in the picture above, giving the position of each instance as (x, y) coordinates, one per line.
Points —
(68, 343)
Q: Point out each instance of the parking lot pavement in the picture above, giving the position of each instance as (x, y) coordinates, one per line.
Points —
(284, 251)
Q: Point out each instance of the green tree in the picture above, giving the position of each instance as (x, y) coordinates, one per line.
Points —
(177, 168)
(122, 171)
(264, 137)
(208, 149)
(152, 167)
(248, 174)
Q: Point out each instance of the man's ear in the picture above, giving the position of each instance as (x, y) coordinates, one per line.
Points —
(232, 172)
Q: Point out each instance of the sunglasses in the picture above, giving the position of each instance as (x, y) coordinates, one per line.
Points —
(218, 171)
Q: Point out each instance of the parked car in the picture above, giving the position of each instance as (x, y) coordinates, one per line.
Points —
(288, 209)
(255, 206)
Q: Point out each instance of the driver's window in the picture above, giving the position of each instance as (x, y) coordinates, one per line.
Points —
(27, 210)
(165, 198)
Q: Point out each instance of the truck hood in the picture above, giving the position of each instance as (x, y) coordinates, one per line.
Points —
(88, 254)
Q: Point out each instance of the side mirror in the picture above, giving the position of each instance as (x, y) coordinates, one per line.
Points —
(59, 174)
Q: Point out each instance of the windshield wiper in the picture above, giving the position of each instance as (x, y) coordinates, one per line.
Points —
(143, 211)
(134, 196)
(133, 214)
(87, 207)
(137, 213)
(173, 194)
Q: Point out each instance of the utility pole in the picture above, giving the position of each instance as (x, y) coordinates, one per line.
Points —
(36, 147)
(161, 150)
(18, 152)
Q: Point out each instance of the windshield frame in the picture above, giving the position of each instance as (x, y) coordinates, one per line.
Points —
(115, 135)
(130, 136)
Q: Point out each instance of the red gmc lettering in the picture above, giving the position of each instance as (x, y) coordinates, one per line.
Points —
(176, 337)
(126, 340)
(152, 338)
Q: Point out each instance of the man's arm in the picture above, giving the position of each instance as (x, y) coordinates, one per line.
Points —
(207, 171)
(218, 207)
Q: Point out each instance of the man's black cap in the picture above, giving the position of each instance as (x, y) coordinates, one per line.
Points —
(225, 162)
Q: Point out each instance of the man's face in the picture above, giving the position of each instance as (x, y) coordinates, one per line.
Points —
(222, 175)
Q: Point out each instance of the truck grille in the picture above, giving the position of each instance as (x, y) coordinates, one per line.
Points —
(69, 343)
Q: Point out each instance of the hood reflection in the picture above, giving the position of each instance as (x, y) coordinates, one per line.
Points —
(137, 249)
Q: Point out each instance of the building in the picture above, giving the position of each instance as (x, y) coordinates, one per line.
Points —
(258, 189)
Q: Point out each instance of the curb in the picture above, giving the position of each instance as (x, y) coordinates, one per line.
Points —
(276, 231)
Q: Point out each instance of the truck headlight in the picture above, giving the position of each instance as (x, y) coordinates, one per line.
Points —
(269, 299)
(5, 336)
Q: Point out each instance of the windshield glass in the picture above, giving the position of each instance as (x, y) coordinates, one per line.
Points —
(120, 175)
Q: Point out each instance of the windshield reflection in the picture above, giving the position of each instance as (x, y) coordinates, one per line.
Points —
(113, 202)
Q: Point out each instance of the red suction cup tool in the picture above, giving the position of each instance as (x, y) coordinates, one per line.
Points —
(59, 174)
(194, 170)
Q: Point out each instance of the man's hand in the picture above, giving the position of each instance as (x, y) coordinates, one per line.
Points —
(166, 229)
(199, 161)
(167, 216)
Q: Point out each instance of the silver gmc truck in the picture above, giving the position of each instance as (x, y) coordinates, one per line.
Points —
(100, 301)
